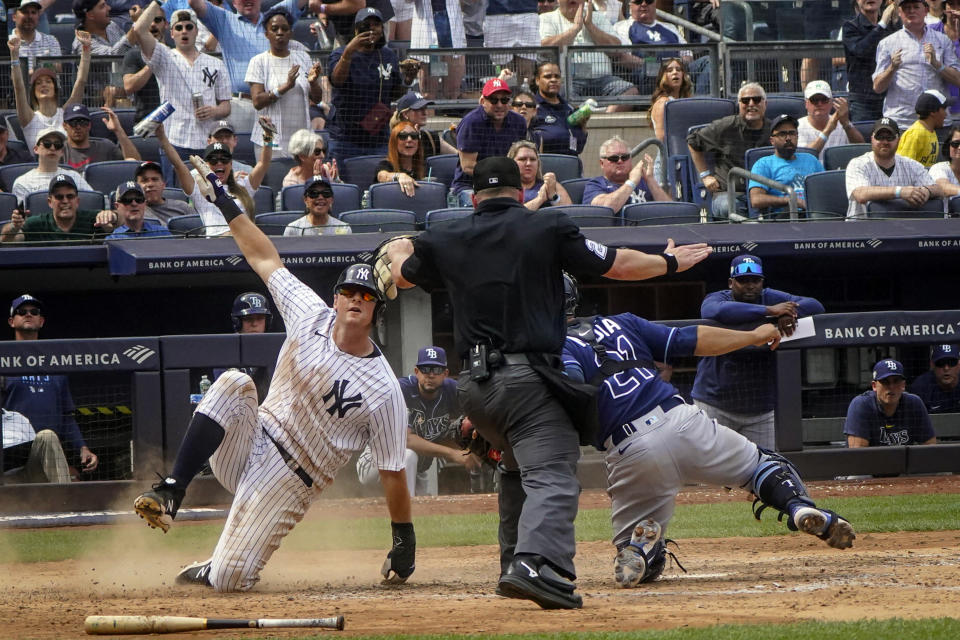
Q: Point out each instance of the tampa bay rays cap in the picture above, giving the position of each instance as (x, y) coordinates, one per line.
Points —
(746, 265)
(22, 300)
(432, 356)
(495, 172)
(944, 352)
(886, 368)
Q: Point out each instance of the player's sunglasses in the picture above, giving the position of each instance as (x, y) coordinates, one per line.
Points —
(132, 199)
(747, 268)
(431, 369)
(32, 311)
(319, 193)
(749, 99)
(946, 362)
(622, 157)
(47, 144)
(501, 100)
(349, 292)
(521, 103)
(404, 135)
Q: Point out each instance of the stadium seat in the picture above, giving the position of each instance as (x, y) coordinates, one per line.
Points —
(149, 148)
(278, 169)
(99, 130)
(575, 188)
(264, 201)
(791, 105)
(899, 208)
(441, 167)
(301, 33)
(678, 117)
(751, 156)
(565, 167)
(839, 156)
(586, 215)
(291, 198)
(652, 213)
(360, 170)
(244, 151)
(105, 176)
(13, 124)
(427, 197)
(64, 33)
(826, 195)
(17, 145)
(865, 127)
(9, 173)
(91, 200)
(954, 205)
(379, 220)
(346, 197)
(172, 193)
(189, 226)
(439, 216)
(8, 202)
(275, 222)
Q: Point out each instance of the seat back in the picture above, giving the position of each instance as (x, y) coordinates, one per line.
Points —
(263, 200)
(346, 197)
(291, 198)
(275, 222)
(278, 169)
(8, 202)
(865, 127)
(90, 200)
(427, 197)
(679, 115)
(837, 157)
(13, 124)
(302, 34)
(652, 213)
(105, 176)
(379, 220)
(565, 167)
(149, 148)
(64, 33)
(17, 145)
(441, 167)
(244, 151)
(360, 170)
(791, 105)
(172, 193)
(10, 172)
(953, 205)
(439, 216)
(189, 226)
(575, 189)
(900, 208)
(587, 215)
(751, 156)
(826, 195)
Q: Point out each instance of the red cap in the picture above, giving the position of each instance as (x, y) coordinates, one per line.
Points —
(494, 85)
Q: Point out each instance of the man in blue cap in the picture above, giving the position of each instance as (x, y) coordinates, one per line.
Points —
(938, 387)
(739, 389)
(887, 415)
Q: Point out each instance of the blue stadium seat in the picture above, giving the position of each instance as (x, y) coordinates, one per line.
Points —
(575, 188)
(278, 169)
(839, 156)
(427, 197)
(954, 205)
(189, 226)
(9, 173)
(379, 220)
(17, 145)
(750, 158)
(172, 193)
(441, 167)
(678, 117)
(652, 213)
(586, 215)
(439, 216)
(291, 198)
(91, 200)
(105, 176)
(244, 151)
(275, 222)
(13, 124)
(263, 200)
(899, 208)
(565, 167)
(865, 127)
(149, 148)
(360, 170)
(791, 105)
(826, 195)
(8, 202)
(346, 197)
(64, 33)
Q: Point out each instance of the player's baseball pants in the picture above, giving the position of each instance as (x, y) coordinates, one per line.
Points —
(684, 445)
(269, 498)
(369, 474)
(756, 427)
(515, 404)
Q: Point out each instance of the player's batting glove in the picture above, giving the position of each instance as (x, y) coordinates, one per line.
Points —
(212, 189)
(401, 560)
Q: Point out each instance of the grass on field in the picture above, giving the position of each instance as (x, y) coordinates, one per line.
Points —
(874, 514)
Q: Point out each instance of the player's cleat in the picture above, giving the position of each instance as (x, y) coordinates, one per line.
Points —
(196, 573)
(159, 505)
(630, 565)
(826, 525)
(529, 577)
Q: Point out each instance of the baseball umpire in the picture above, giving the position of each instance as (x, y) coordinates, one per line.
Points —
(655, 442)
(503, 269)
(331, 394)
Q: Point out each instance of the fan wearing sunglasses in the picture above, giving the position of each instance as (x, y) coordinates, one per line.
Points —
(316, 220)
(938, 387)
(947, 173)
(310, 152)
(131, 206)
(49, 150)
(623, 182)
(719, 386)
(404, 162)
(65, 221)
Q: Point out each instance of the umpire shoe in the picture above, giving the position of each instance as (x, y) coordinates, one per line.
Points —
(529, 577)
(159, 505)
(630, 565)
(196, 573)
(826, 525)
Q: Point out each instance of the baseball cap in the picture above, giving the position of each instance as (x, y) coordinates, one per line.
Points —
(817, 88)
(22, 300)
(127, 187)
(222, 125)
(147, 164)
(903, 2)
(27, 3)
(783, 117)
(181, 15)
(62, 180)
(888, 124)
(75, 111)
(930, 101)
(432, 356)
(944, 352)
(51, 131)
(315, 180)
(412, 100)
(887, 368)
(495, 172)
(494, 85)
(43, 71)
(216, 147)
(369, 12)
(746, 265)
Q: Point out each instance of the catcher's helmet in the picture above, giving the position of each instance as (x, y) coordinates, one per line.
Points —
(249, 304)
(571, 294)
(360, 275)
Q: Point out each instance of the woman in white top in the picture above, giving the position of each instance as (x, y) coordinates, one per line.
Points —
(40, 108)
(947, 173)
(220, 159)
(280, 86)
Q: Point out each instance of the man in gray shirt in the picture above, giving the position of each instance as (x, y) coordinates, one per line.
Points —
(81, 150)
(149, 176)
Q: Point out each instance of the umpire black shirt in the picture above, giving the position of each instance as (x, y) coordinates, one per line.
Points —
(502, 267)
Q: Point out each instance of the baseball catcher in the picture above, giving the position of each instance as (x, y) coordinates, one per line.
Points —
(655, 442)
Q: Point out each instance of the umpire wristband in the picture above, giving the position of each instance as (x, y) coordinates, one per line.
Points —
(672, 264)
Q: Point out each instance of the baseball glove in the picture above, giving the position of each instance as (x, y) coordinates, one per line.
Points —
(381, 266)
(471, 440)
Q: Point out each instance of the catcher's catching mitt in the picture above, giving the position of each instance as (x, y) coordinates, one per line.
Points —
(381, 266)
(473, 442)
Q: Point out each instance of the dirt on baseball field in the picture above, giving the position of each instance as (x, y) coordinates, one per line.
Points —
(732, 580)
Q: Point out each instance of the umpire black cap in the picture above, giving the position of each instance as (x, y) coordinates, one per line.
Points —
(250, 303)
(359, 275)
(496, 172)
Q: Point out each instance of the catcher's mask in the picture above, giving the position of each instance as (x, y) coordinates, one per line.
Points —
(571, 294)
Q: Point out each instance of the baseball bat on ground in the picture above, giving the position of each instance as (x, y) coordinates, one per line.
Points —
(113, 625)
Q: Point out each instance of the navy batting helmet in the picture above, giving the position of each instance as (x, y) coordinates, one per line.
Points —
(249, 304)
(359, 275)
(571, 294)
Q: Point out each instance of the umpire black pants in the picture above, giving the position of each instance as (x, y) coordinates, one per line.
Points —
(515, 411)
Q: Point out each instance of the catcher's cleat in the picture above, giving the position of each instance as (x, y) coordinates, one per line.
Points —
(196, 573)
(630, 565)
(529, 577)
(159, 505)
(826, 525)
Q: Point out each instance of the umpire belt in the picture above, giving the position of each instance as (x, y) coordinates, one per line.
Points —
(499, 359)
(291, 463)
(624, 431)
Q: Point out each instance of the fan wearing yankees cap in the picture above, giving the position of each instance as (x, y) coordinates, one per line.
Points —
(131, 206)
(65, 221)
(887, 415)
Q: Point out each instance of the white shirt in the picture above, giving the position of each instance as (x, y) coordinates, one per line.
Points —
(36, 180)
(16, 429)
(553, 23)
(863, 171)
(943, 171)
(303, 227)
(43, 44)
(38, 123)
(210, 214)
(807, 134)
(178, 80)
(291, 112)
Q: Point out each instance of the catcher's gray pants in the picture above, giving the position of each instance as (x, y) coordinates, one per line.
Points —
(368, 474)
(669, 450)
(515, 408)
(755, 427)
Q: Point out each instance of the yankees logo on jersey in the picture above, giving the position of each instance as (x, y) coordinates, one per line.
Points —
(341, 402)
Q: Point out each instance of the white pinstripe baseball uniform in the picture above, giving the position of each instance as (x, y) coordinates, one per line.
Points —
(863, 171)
(323, 405)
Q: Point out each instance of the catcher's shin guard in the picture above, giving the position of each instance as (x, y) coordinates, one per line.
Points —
(777, 484)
